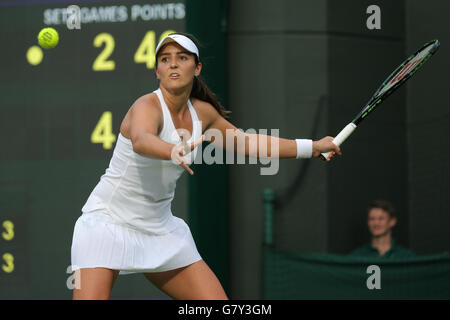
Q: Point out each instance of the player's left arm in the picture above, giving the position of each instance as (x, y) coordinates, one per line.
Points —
(256, 145)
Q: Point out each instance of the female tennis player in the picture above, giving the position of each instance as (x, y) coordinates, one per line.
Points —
(127, 225)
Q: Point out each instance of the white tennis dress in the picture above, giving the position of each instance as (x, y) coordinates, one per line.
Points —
(127, 223)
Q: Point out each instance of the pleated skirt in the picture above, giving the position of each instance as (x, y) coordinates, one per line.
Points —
(100, 241)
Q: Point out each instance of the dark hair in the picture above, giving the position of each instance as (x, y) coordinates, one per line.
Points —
(199, 89)
(384, 205)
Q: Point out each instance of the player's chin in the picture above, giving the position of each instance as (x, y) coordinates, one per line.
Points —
(176, 84)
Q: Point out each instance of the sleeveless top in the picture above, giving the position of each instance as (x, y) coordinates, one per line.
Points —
(138, 190)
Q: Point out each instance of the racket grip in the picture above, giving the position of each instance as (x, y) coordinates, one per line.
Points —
(341, 137)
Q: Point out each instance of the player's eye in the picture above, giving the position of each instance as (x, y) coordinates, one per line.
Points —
(164, 59)
(183, 58)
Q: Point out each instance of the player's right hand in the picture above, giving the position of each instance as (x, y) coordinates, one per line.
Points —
(182, 149)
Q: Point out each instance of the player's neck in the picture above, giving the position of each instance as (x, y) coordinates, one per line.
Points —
(176, 100)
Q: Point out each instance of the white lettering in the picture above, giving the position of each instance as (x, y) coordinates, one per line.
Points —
(195, 310)
(216, 138)
(180, 12)
(74, 280)
(374, 281)
(107, 14)
(373, 21)
(48, 16)
(274, 155)
(237, 142)
(74, 18)
(122, 14)
(74, 15)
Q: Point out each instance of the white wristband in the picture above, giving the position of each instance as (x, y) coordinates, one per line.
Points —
(304, 148)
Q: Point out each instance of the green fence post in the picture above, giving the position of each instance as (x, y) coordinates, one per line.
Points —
(268, 198)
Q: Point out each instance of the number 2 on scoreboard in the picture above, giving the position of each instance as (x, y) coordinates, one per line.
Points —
(145, 53)
(102, 63)
(103, 132)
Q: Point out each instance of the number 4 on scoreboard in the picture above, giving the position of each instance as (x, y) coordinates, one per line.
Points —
(103, 132)
(146, 51)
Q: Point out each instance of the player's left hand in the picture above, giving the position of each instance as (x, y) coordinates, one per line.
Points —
(325, 145)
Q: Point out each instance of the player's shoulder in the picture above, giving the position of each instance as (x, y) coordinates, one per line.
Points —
(201, 103)
(205, 108)
(147, 99)
(148, 102)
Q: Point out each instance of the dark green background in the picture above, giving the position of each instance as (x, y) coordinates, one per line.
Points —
(279, 64)
(48, 165)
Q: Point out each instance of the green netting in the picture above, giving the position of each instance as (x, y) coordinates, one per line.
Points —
(291, 275)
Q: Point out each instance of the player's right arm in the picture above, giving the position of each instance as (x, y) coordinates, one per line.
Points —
(146, 121)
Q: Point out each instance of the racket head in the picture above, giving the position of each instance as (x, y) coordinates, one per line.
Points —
(398, 77)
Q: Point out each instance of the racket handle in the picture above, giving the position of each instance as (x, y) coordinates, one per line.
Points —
(341, 137)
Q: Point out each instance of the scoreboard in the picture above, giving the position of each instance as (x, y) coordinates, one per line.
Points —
(60, 113)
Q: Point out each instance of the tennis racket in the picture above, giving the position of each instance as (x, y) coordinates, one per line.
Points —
(395, 80)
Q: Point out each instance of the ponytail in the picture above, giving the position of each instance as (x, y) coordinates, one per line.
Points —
(201, 91)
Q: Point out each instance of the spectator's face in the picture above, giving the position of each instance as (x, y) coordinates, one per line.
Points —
(380, 222)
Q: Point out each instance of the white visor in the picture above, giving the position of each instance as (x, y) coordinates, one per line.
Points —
(183, 41)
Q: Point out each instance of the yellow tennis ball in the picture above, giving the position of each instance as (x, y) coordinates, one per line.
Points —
(48, 38)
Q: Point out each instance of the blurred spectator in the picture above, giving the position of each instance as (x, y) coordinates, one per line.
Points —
(381, 219)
